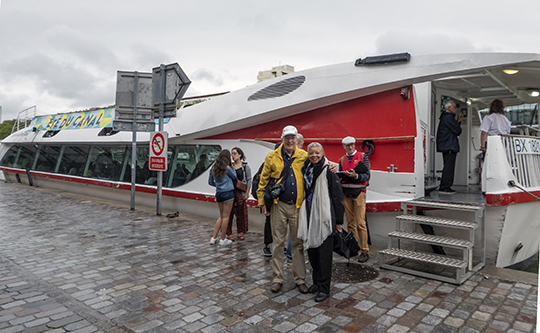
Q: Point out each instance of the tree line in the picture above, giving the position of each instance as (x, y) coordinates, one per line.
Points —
(5, 128)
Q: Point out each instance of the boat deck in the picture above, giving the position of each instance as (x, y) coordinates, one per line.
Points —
(471, 194)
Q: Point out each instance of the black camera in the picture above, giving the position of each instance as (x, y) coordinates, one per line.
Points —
(277, 189)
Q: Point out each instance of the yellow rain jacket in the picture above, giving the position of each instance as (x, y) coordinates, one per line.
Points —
(273, 166)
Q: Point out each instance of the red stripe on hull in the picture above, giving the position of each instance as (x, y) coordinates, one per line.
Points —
(491, 199)
(382, 115)
(506, 199)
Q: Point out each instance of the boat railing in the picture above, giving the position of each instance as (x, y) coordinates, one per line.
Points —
(523, 155)
(24, 118)
(528, 130)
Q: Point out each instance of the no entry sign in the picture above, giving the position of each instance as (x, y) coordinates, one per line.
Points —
(158, 151)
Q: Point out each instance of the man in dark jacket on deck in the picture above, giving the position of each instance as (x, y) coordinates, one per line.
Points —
(448, 144)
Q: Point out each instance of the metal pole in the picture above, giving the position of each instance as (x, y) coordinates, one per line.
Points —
(160, 129)
(134, 141)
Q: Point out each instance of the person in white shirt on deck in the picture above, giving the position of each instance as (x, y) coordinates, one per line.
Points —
(495, 123)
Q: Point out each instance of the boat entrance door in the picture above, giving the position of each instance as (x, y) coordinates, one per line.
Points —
(467, 168)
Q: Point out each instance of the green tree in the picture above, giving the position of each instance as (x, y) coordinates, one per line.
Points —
(5, 128)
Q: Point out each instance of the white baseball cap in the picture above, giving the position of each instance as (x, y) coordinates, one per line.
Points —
(289, 130)
(348, 140)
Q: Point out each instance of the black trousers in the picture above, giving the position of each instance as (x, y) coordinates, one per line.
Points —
(321, 262)
(447, 179)
(267, 232)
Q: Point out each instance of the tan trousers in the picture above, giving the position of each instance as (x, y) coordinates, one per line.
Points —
(283, 216)
(355, 211)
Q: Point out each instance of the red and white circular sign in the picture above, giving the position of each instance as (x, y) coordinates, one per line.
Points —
(158, 144)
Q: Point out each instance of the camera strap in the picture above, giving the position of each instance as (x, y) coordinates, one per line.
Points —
(285, 171)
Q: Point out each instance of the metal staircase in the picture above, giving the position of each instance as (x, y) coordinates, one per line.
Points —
(402, 254)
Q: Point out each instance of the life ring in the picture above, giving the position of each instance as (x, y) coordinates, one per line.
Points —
(367, 147)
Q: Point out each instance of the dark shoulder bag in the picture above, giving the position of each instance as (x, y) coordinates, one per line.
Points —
(274, 189)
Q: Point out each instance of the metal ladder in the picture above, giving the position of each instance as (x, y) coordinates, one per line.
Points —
(450, 269)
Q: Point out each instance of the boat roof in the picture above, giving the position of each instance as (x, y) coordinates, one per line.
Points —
(475, 76)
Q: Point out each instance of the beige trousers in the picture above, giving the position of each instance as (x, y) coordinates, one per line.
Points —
(283, 216)
(355, 211)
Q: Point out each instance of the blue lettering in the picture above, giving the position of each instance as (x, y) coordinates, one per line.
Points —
(534, 146)
(520, 145)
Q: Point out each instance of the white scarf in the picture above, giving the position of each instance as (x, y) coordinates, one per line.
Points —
(320, 219)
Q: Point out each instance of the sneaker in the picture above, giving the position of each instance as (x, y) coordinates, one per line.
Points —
(289, 260)
(363, 257)
(225, 242)
(213, 241)
(267, 252)
(448, 191)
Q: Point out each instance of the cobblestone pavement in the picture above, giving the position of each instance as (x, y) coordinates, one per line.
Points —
(70, 264)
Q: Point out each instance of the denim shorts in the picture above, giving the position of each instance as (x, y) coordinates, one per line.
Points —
(225, 196)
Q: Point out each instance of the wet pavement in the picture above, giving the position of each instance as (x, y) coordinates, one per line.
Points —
(69, 263)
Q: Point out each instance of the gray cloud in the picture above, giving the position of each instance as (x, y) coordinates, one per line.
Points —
(207, 75)
(425, 43)
(63, 54)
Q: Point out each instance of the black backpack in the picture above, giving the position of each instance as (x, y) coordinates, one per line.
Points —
(255, 182)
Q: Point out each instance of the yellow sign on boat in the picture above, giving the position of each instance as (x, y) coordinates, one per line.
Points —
(75, 120)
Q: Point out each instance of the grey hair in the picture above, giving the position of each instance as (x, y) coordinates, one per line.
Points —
(447, 104)
(316, 144)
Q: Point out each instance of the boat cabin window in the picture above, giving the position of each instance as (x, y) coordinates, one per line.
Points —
(105, 162)
(26, 157)
(10, 157)
(73, 160)
(186, 162)
(46, 158)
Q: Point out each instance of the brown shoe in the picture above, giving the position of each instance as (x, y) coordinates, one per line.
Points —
(276, 287)
(302, 288)
(363, 257)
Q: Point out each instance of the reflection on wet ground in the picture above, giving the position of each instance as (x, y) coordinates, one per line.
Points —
(74, 264)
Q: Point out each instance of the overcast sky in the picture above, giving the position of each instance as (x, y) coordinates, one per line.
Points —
(63, 55)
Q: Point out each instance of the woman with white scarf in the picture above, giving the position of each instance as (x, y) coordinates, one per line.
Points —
(320, 216)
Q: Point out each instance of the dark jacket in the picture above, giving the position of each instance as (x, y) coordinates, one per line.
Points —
(448, 132)
(334, 189)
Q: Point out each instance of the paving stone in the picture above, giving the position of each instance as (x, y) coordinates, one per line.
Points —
(284, 326)
(146, 273)
(398, 329)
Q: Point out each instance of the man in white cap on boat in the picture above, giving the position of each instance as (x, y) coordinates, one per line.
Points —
(354, 180)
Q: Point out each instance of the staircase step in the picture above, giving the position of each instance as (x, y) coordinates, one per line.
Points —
(432, 239)
(438, 221)
(443, 205)
(425, 257)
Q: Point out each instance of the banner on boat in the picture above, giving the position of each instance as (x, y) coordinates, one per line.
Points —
(527, 146)
(75, 120)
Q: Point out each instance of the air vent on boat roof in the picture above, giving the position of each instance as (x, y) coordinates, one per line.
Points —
(107, 131)
(279, 89)
(384, 59)
(50, 134)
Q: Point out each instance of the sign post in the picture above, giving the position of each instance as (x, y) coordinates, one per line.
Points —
(169, 86)
(133, 112)
(141, 97)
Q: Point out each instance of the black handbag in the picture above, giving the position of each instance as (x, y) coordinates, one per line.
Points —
(346, 245)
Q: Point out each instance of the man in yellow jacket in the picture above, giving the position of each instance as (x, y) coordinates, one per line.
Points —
(284, 165)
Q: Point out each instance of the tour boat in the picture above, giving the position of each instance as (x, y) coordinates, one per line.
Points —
(390, 104)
